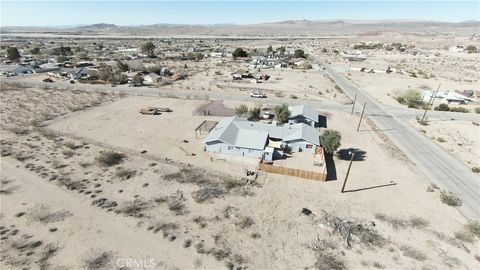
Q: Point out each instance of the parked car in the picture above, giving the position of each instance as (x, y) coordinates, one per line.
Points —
(47, 80)
(267, 115)
(257, 95)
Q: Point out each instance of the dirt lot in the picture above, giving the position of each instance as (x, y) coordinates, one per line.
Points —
(66, 195)
(460, 138)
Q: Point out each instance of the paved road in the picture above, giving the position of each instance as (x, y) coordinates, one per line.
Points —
(436, 164)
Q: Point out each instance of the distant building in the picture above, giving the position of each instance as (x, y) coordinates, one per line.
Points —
(456, 49)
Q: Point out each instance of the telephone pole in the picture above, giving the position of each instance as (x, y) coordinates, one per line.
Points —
(353, 105)
(348, 171)
(361, 116)
(430, 103)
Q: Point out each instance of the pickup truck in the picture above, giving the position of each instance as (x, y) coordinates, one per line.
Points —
(257, 95)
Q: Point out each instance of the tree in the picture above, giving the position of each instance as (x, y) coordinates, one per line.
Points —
(269, 49)
(282, 113)
(442, 107)
(471, 49)
(61, 58)
(241, 110)
(148, 48)
(123, 67)
(137, 80)
(282, 49)
(35, 50)
(239, 52)
(81, 55)
(330, 140)
(299, 54)
(254, 113)
(13, 54)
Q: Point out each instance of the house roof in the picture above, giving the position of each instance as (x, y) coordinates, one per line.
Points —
(241, 133)
(305, 111)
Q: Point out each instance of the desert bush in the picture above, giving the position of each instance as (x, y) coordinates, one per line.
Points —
(459, 109)
(244, 222)
(432, 187)
(473, 226)
(412, 98)
(279, 94)
(354, 230)
(109, 158)
(423, 122)
(465, 236)
(442, 107)
(207, 193)
(292, 96)
(44, 215)
(476, 169)
(440, 139)
(99, 260)
(449, 198)
(326, 260)
(133, 208)
(477, 110)
(339, 89)
(124, 174)
(413, 253)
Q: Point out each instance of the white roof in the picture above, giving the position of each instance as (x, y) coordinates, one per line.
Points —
(241, 133)
(305, 111)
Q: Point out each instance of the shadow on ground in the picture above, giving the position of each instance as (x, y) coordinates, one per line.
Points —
(346, 154)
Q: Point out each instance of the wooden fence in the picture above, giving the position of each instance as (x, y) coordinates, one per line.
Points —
(293, 172)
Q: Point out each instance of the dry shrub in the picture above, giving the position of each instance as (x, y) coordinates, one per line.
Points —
(328, 261)
(413, 253)
(207, 193)
(474, 227)
(450, 199)
(125, 174)
(43, 214)
(175, 202)
(99, 260)
(244, 222)
(109, 158)
(352, 230)
(133, 208)
(399, 223)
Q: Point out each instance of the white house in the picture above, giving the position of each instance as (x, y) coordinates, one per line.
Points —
(456, 48)
(237, 136)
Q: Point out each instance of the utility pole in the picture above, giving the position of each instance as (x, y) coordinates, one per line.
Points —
(353, 105)
(430, 103)
(361, 116)
(348, 171)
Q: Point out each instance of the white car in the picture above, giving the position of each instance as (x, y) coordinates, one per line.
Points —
(267, 115)
(257, 95)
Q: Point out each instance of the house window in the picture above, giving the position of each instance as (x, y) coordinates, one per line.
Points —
(308, 146)
(230, 148)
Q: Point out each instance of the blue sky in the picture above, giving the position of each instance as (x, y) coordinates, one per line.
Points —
(42, 13)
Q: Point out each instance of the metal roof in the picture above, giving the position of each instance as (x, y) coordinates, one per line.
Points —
(305, 111)
(241, 133)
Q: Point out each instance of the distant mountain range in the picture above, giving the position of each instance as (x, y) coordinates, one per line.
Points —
(300, 28)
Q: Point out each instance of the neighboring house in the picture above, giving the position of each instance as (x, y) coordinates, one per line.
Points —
(456, 49)
(447, 97)
(151, 78)
(216, 54)
(237, 136)
(307, 115)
